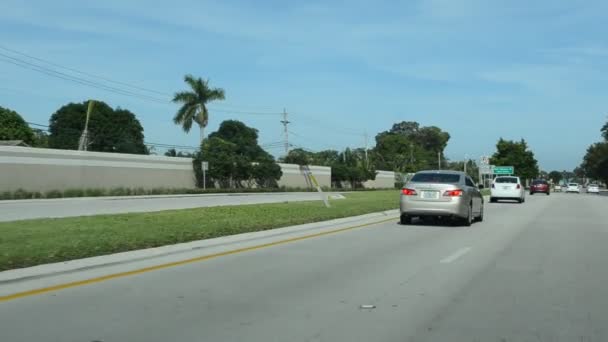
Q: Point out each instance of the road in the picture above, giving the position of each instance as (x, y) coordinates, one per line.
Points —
(67, 207)
(530, 272)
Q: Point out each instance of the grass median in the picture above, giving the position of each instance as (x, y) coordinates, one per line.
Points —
(33, 242)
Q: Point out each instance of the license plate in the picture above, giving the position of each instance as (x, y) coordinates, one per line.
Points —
(430, 194)
(505, 188)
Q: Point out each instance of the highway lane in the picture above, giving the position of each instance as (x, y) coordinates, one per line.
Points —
(67, 207)
(530, 272)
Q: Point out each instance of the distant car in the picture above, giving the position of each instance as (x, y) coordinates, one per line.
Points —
(593, 189)
(507, 188)
(541, 186)
(557, 188)
(573, 187)
(450, 194)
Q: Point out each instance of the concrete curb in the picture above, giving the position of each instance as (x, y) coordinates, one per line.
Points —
(73, 266)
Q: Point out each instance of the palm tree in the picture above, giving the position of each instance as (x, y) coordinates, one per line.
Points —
(194, 103)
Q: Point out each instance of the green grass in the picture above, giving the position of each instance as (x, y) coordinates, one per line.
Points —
(485, 192)
(32, 242)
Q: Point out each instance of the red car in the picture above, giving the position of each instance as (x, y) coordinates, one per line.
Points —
(540, 185)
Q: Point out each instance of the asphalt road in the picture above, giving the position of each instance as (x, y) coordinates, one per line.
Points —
(530, 272)
(67, 207)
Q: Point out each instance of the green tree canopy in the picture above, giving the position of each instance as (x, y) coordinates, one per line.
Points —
(556, 176)
(516, 154)
(300, 157)
(110, 130)
(407, 147)
(194, 103)
(174, 153)
(472, 168)
(236, 159)
(13, 127)
(595, 162)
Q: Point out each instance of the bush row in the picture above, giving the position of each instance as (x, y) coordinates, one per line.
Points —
(23, 194)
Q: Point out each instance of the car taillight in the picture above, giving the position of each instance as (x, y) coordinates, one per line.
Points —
(518, 186)
(409, 192)
(453, 193)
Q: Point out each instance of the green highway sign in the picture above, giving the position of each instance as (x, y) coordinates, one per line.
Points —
(504, 170)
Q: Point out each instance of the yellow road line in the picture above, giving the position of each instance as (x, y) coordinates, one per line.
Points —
(176, 263)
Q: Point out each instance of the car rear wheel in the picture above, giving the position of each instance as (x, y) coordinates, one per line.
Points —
(531, 193)
(405, 220)
(493, 200)
(480, 217)
(547, 193)
(467, 221)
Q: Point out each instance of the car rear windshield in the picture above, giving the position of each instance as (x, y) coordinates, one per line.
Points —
(536, 182)
(511, 180)
(436, 178)
(572, 184)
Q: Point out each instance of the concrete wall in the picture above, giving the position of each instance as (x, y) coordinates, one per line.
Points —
(294, 176)
(384, 179)
(35, 169)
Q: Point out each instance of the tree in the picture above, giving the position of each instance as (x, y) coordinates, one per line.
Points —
(472, 168)
(110, 130)
(516, 154)
(407, 147)
(236, 159)
(300, 157)
(41, 138)
(595, 162)
(194, 103)
(604, 131)
(13, 127)
(555, 176)
(174, 153)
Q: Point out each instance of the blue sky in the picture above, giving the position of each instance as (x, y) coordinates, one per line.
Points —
(479, 69)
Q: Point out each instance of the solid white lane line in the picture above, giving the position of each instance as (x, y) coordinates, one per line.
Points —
(453, 257)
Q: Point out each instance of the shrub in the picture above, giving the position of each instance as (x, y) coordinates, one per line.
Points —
(22, 194)
(73, 193)
(139, 191)
(7, 195)
(94, 192)
(53, 194)
(119, 192)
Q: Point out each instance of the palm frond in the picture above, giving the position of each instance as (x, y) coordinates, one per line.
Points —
(198, 86)
(185, 116)
(215, 94)
(185, 97)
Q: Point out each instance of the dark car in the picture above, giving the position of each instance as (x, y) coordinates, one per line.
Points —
(540, 185)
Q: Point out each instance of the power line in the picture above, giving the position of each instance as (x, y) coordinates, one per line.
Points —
(50, 72)
(81, 72)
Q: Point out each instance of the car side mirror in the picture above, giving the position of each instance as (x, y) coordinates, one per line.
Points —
(480, 186)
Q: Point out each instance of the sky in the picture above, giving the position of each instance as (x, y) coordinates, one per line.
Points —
(478, 69)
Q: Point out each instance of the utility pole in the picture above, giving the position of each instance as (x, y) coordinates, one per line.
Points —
(439, 160)
(366, 160)
(466, 161)
(285, 122)
(83, 142)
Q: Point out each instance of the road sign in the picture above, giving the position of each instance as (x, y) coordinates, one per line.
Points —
(485, 160)
(486, 169)
(504, 170)
(205, 168)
